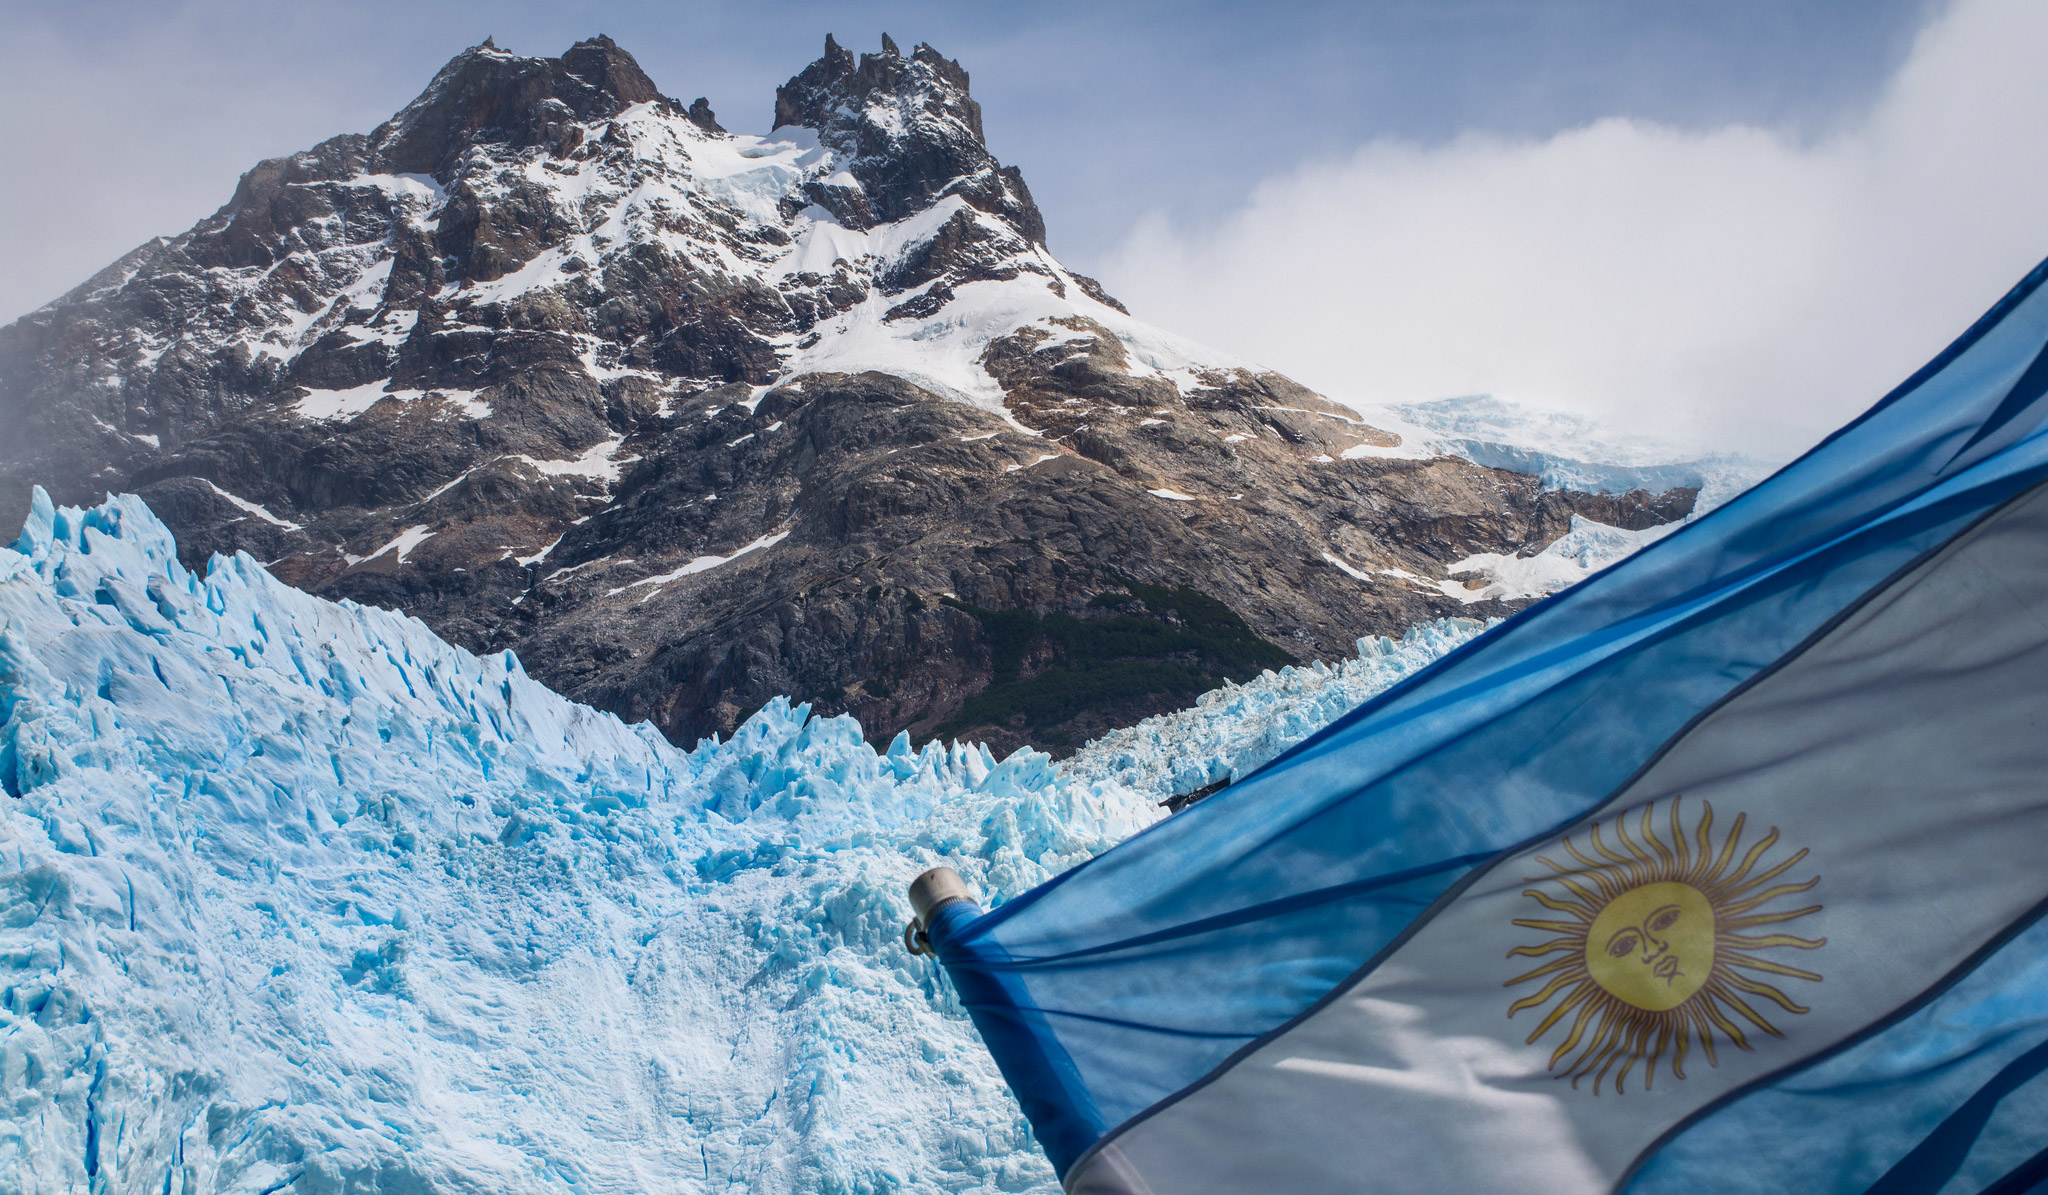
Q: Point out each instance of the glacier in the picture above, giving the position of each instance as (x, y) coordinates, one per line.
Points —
(1563, 449)
(294, 896)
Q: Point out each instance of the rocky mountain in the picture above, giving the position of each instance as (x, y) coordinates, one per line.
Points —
(693, 418)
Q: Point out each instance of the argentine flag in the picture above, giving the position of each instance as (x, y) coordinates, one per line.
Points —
(1721, 871)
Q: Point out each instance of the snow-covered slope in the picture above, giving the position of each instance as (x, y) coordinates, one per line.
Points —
(295, 896)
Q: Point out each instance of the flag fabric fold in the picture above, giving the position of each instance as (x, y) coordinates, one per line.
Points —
(1720, 870)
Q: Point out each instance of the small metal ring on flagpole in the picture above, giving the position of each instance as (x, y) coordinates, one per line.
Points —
(915, 940)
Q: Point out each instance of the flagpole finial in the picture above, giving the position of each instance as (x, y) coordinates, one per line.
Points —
(930, 892)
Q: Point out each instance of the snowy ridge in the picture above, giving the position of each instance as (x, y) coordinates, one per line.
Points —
(297, 894)
(719, 203)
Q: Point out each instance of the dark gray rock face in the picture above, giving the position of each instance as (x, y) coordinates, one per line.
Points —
(908, 131)
(486, 96)
(691, 419)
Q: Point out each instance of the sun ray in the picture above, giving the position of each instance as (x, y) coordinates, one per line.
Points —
(1767, 896)
(1592, 900)
(1770, 968)
(1558, 1013)
(1767, 992)
(1550, 947)
(1756, 852)
(1665, 1032)
(1576, 909)
(1639, 1051)
(1578, 1029)
(1616, 1051)
(1633, 858)
(1626, 864)
(1631, 1052)
(1747, 942)
(1543, 970)
(1721, 1022)
(1765, 877)
(1749, 1014)
(1667, 862)
(1728, 845)
(1591, 871)
(1604, 1043)
(1543, 997)
(1705, 1028)
(1647, 960)
(1705, 833)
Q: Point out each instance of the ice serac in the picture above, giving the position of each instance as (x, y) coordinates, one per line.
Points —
(519, 358)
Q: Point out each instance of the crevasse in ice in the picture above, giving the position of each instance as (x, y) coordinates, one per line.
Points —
(295, 896)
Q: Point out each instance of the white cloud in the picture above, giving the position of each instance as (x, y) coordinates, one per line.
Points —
(1736, 287)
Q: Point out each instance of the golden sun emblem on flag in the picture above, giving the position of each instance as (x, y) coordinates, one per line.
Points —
(1654, 947)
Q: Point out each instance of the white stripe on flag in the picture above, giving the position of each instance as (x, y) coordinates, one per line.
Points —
(1906, 752)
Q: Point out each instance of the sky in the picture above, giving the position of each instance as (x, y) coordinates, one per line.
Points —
(1731, 223)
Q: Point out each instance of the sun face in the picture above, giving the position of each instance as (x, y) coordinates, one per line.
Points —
(1654, 947)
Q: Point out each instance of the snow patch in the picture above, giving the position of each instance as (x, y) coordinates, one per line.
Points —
(329, 405)
(701, 564)
(406, 540)
(599, 462)
(1577, 554)
(245, 505)
(537, 557)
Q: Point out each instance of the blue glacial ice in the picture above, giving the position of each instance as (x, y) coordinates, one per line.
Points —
(1230, 732)
(1567, 451)
(296, 897)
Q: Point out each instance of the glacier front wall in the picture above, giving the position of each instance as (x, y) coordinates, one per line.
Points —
(294, 895)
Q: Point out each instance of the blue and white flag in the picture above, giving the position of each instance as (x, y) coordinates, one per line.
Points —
(1721, 871)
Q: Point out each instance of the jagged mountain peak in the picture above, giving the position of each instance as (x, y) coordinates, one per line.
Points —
(910, 131)
(486, 94)
(926, 82)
